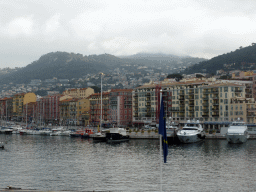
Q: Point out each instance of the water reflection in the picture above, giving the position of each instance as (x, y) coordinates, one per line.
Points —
(64, 163)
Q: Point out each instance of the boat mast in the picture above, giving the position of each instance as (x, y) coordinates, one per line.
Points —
(6, 111)
(27, 114)
(101, 101)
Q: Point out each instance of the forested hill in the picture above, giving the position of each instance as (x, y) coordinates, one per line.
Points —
(243, 58)
(62, 65)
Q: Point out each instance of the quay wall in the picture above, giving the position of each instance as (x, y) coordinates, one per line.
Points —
(153, 135)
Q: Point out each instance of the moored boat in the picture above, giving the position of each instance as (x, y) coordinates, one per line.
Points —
(100, 136)
(171, 132)
(1, 145)
(117, 135)
(192, 132)
(237, 132)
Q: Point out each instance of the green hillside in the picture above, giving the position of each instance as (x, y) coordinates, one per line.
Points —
(242, 59)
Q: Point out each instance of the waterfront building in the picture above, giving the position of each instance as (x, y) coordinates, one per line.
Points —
(6, 108)
(209, 101)
(120, 107)
(83, 111)
(19, 100)
(95, 108)
(29, 112)
(244, 109)
(146, 103)
(68, 111)
(48, 108)
(79, 93)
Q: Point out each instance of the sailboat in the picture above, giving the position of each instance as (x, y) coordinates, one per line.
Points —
(100, 135)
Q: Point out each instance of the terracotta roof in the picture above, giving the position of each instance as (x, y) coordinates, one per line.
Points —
(19, 94)
(121, 90)
(99, 94)
(6, 98)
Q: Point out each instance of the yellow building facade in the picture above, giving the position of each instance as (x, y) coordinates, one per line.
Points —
(19, 100)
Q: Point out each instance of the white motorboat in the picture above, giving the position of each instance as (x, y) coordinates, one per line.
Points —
(16, 129)
(65, 133)
(6, 130)
(237, 132)
(192, 132)
(56, 131)
(45, 131)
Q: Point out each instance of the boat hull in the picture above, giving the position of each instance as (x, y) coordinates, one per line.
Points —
(116, 138)
(190, 138)
(99, 138)
(234, 138)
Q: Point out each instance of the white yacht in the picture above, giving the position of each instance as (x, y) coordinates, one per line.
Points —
(56, 131)
(237, 132)
(192, 132)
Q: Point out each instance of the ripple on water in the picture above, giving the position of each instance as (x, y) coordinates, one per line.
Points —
(63, 163)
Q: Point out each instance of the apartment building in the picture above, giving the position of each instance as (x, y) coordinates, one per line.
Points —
(208, 101)
(19, 100)
(146, 103)
(29, 112)
(68, 111)
(95, 108)
(48, 108)
(6, 108)
(120, 107)
(83, 111)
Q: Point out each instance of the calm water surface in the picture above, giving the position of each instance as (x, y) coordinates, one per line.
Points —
(63, 163)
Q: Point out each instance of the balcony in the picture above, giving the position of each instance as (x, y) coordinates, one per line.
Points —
(182, 97)
(182, 109)
(215, 115)
(148, 104)
(205, 104)
(250, 114)
(215, 104)
(191, 109)
(191, 103)
(174, 110)
(191, 97)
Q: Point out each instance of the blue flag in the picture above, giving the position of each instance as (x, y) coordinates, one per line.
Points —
(162, 130)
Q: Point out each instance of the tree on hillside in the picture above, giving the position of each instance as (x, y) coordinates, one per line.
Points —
(199, 76)
(175, 76)
(96, 89)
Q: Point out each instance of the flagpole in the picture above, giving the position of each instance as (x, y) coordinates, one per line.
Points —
(161, 148)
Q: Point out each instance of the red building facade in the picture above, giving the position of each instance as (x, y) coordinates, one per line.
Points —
(120, 107)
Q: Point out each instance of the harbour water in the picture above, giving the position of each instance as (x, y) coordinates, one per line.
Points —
(64, 163)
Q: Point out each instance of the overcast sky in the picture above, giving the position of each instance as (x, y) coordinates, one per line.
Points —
(200, 28)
